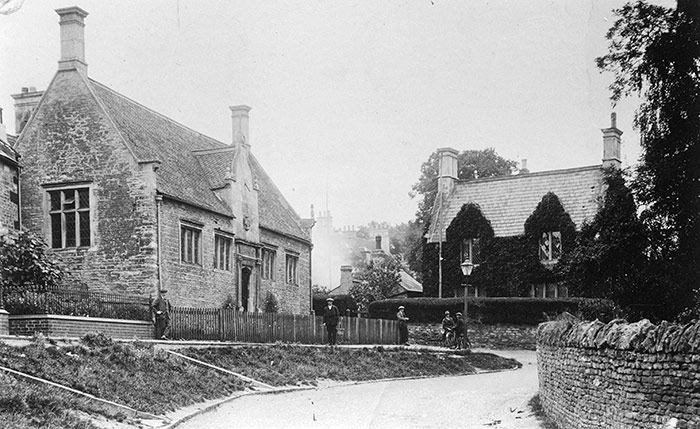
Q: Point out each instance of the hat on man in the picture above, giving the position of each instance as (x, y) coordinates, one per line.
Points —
(447, 312)
(329, 299)
(401, 307)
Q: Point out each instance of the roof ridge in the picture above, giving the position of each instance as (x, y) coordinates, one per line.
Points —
(522, 176)
(156, 113)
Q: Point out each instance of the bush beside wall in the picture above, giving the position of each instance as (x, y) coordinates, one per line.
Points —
(489, 311)
(619, 374)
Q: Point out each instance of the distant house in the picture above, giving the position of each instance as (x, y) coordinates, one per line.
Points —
(507, 202)
(9, 181)
(408, 286)
(134, 202)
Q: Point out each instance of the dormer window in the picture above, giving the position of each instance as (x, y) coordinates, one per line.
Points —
(550, 247)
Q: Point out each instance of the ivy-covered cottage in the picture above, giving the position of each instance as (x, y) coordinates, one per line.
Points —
(514, 229)
(134, 202)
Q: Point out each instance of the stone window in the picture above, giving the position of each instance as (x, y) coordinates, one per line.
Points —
(550, 247)
(222, 252)
(291, 265)
(268, 264)
(69, 212)
(190, 244)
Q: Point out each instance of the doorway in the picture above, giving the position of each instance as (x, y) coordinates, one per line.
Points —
(245, 287)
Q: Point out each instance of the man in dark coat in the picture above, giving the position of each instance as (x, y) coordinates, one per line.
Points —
(331, 315)
(160, 313)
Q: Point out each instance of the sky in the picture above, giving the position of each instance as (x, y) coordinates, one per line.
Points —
(349, 98)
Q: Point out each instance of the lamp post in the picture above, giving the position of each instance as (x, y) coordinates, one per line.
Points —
(467, 268)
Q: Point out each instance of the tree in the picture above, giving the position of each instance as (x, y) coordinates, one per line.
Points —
(377, 280)
(25, 265)
(471, 164)
(609, 253)
(654, 53)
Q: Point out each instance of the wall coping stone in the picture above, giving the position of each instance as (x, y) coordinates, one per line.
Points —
(642, 336)
(78, 319)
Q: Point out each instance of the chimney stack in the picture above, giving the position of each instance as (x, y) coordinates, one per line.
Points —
(72, 39)
(345, 278)
(239, 116)
(523, 168)
(448, 169)
(611, 144)
(25, 102)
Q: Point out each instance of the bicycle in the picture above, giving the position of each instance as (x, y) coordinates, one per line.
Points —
(449, 338)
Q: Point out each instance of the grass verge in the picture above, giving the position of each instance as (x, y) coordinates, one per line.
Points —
(283, 365)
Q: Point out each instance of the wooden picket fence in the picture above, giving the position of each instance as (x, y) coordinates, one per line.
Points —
(218, 324)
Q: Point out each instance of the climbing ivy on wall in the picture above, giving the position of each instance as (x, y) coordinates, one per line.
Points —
(507, 266)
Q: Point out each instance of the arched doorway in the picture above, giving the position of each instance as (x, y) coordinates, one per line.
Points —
(245, 287)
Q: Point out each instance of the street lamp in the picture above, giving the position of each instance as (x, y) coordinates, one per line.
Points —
(467, 268)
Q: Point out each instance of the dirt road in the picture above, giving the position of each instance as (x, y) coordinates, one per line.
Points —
(489, 400)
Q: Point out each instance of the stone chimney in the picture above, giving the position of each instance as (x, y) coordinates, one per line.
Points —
(345, 278)
(239, 116)
(611, 144)
(72, 39)
(25, 103)
(448, 170)
(523, 167)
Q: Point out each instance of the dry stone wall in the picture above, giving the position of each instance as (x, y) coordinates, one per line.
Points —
(619, 374)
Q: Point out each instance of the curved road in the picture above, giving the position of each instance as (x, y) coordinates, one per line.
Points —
(489, 400)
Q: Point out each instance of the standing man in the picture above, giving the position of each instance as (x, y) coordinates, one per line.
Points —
(160, 313)
(330, 319)
(459, 330)
(403, 326)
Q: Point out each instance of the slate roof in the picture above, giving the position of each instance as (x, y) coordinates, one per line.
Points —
(6, 150)
(185, 174)
(508, 201)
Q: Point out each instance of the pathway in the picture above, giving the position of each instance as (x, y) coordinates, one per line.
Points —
(487, 400)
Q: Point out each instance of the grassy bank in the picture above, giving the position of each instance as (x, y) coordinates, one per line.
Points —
(151, 380)
(295, 365)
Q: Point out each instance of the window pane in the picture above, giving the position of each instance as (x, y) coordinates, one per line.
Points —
(55, 200)
(544, 247)
(183, 247)
(56, 241)
(70, 229)
(83, 198)
(84, 228)
(69, 199)
(556, 245)
(195, 239)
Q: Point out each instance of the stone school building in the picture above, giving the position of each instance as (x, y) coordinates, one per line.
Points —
(133, 202)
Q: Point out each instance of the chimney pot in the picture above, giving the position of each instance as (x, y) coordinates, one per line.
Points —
(612, 143)
(523, 168)
(72, 39)
(25, 90)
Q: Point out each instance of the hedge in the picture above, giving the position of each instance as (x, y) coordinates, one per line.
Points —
(490, 311)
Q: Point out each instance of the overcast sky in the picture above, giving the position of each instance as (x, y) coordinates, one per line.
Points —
(349, 98)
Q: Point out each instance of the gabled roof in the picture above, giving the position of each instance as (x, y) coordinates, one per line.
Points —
(186, 174)
(508, 201)
(409, 283)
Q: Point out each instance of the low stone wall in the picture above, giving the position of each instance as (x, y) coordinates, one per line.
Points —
(487, 336)
(73, 326)
(619, 375)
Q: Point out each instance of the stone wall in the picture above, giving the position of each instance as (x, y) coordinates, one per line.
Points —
(615, 375)
(291, 298)
(76, 327)
(480, 335)
(9, 195)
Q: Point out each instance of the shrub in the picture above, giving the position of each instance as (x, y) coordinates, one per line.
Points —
(270, 303)
(517, 311)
